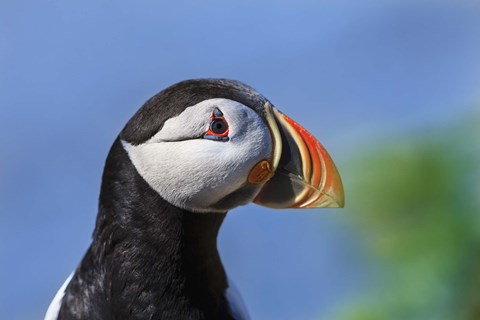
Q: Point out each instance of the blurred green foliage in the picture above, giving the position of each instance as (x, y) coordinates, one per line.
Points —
(415, 203)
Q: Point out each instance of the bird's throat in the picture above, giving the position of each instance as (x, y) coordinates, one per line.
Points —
(148, 258)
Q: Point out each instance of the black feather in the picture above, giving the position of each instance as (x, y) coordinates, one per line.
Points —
(149, 259)
(172, 101)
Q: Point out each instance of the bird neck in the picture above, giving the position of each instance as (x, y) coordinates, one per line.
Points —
(157, 260)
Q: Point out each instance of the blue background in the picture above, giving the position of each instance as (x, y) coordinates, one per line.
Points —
(72, 73)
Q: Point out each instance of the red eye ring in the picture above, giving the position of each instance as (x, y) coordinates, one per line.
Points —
(218, 128)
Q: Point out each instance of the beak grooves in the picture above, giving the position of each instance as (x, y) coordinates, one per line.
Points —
(303, 166)
(277, 139)
(323, 177)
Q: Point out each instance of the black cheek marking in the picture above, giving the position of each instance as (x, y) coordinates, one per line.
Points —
(217, 113)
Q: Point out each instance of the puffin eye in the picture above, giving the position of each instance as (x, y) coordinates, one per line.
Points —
(219, 126)
(218, 129)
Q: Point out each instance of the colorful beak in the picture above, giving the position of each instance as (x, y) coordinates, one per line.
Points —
(304, 175)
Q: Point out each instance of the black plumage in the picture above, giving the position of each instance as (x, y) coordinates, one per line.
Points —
(149, 259)
(169, 103)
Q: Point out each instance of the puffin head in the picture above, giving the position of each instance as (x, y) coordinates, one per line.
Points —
(211, 145)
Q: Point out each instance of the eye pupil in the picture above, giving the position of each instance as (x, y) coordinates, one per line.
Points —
(219, 126)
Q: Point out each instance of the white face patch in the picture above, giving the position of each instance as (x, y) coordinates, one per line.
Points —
(195, 173)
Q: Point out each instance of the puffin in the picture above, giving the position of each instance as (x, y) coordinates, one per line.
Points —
(190, 154)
